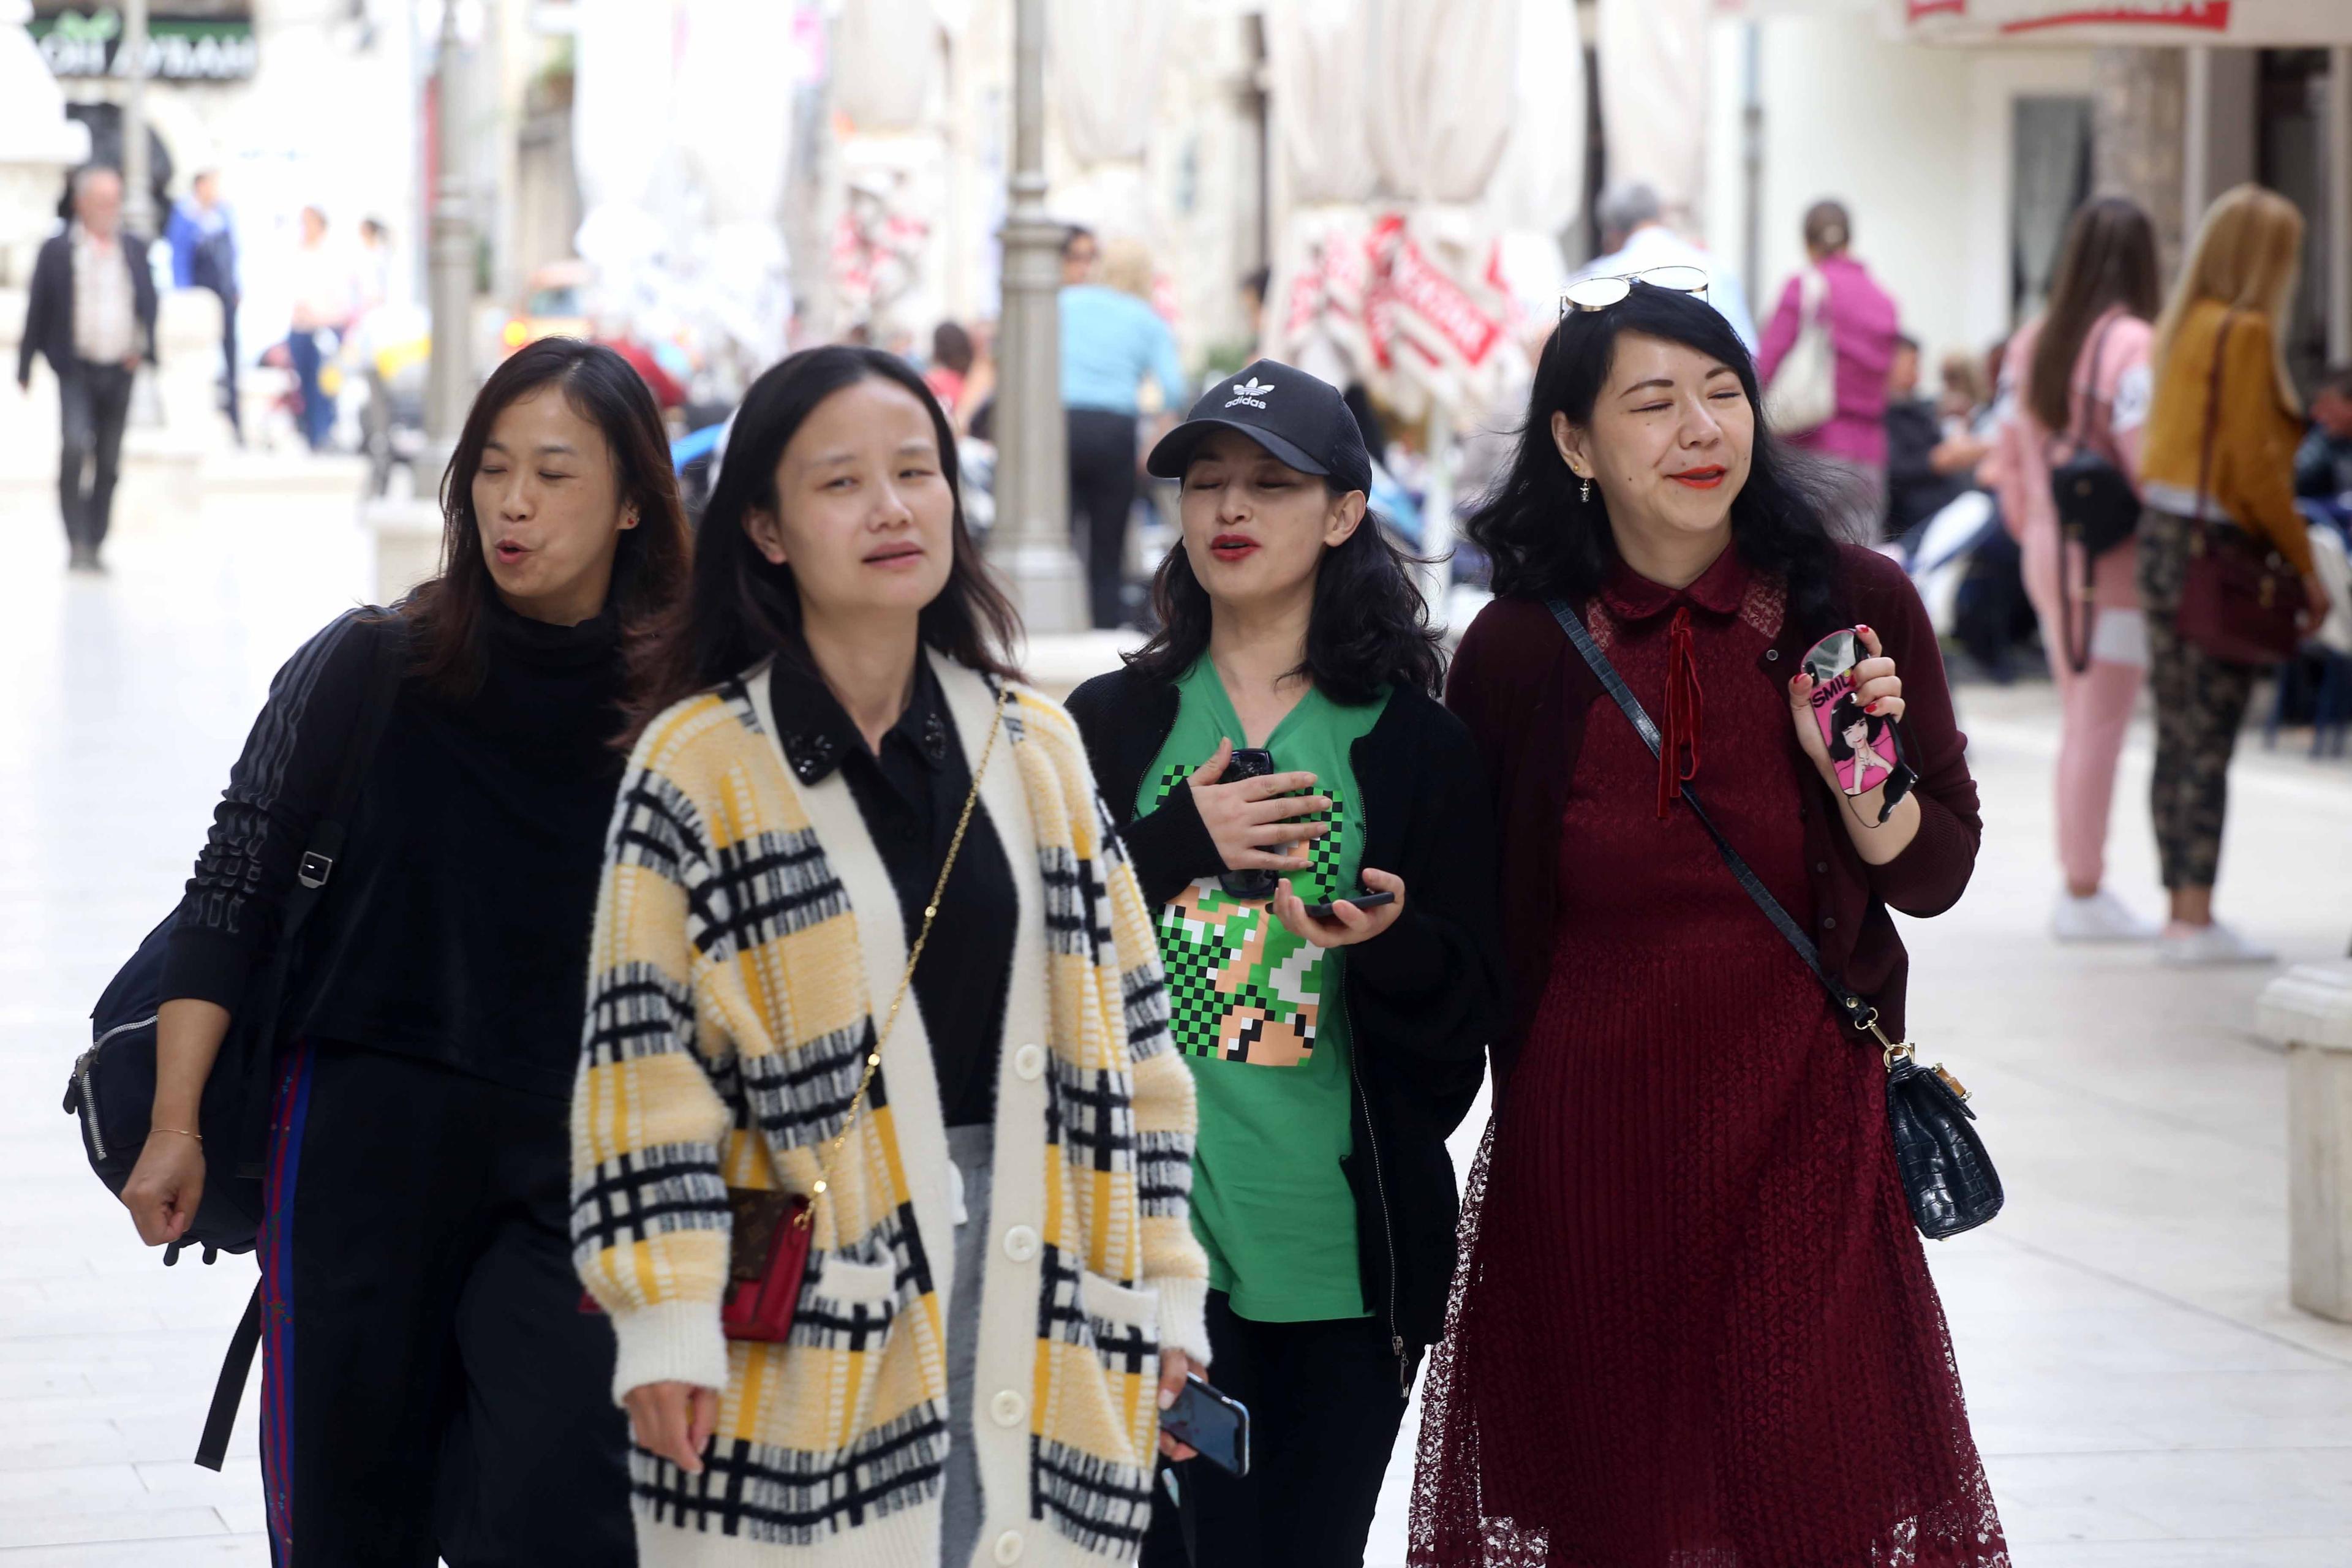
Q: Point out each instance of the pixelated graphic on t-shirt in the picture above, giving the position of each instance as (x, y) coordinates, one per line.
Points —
(1240, 986)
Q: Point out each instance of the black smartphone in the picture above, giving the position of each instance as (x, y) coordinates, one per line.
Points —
(1252, 882)
(1217, 1425)
(1361, 900)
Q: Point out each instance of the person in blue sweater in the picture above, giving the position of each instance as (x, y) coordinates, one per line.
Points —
(1111, 340)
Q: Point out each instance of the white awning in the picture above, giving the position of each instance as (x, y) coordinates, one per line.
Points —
(2249, 24)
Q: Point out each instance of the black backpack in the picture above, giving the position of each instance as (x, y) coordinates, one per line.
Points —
(2097, 508)
(112, 1087)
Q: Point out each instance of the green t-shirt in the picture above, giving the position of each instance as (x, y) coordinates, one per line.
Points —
(1260, 1015)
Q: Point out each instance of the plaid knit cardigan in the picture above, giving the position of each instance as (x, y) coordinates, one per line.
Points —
(746, 935)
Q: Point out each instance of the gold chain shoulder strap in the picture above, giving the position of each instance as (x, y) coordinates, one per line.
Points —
(832, 1149)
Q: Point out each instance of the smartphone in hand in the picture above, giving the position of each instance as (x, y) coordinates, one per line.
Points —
(1252, 882)
(1361, 900)
(1215, 1424)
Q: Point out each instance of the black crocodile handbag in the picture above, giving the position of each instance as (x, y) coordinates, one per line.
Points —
(1947, 1177)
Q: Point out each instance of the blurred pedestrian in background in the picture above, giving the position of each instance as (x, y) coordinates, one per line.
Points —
(985, 1114)
(1835, 328)
(204, 255)
(952, 359)
(90, 313)
(1636, 238)
(1697, 1323)
(1927, 470)
(1332, 1052)
(429, 1383)
(2220, 446)
(375, 268)
(1112, 339)
(2076, 379)
(2323, 464)
(326, 297)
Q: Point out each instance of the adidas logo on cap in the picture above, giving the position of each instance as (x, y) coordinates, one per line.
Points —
(1251, 392)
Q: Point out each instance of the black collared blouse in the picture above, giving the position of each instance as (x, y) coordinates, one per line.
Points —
(909, 797)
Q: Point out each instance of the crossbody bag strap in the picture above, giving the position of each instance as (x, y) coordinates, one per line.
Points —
(1857, 1011)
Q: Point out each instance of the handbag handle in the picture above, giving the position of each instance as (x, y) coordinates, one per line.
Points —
(1856, 1011)
(2086, 392)
(831, 1149)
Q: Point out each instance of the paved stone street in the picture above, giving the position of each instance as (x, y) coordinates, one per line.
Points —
(2142, 1392)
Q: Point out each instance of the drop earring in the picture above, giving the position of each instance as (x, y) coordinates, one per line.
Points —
(1584, 493)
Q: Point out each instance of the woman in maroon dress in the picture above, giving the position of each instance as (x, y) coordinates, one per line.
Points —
(1694, 1327)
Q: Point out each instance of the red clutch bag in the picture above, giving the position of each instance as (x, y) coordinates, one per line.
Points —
(765, 1262)
(767, 1257)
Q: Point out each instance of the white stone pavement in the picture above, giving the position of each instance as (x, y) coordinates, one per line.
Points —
(2142, 1392)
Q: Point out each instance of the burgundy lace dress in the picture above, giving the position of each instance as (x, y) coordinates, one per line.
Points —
(1695, 1328)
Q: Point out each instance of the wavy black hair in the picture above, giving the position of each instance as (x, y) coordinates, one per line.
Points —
(742, 607)
(1368, 627)
(1546, 540)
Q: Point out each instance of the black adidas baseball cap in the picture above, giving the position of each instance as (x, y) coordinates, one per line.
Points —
(1300, 418)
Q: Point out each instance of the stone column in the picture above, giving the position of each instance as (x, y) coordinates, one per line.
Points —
(2138, 138)
(1031, 541)
(2309, 1010)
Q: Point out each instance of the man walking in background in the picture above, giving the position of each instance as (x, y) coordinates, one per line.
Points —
(204, 255)
(92, 314)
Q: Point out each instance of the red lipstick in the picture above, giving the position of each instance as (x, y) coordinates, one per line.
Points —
(1699, 478)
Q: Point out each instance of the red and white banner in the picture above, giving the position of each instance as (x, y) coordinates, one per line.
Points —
(2277, 23)
(1415, 310)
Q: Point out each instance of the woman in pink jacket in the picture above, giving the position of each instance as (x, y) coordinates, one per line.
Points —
(2079, 374)
(1863, 329)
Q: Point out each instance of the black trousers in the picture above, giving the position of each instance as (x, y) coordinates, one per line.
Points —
(93, 401)
(1324, 1410)
(1102, 495)
(429, 1384)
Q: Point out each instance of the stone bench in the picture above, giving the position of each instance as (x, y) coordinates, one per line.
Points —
(2309, 1010)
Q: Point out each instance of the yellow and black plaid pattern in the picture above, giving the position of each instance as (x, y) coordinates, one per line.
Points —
(728, 1024)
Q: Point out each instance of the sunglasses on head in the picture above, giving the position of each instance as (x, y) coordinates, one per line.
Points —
(1599, 293)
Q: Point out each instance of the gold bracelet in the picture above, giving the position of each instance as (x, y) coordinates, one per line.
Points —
(181, 1130)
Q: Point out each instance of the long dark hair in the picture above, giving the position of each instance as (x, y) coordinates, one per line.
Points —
(744, 607)
(1545, 539)
(2108, 259)
(1368, 626)
(445, 613)
(1845, 715)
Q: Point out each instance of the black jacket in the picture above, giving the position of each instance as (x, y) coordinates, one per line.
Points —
(455, 928)
(49, 306)
(1425, 996)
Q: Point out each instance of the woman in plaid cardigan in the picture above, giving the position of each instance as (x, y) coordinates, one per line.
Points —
(993, 1314)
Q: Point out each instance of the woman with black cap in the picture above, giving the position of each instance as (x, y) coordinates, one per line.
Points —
(1327, 927)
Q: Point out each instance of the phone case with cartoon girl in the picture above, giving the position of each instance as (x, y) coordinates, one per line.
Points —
(1861, 744)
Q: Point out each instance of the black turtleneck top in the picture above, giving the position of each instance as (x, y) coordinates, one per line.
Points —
(455, 925)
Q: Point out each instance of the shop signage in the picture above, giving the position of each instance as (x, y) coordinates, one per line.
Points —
(180, 46)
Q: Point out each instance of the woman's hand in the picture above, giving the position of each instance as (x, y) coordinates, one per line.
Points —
(1878, 835)
(165, 1187)
(1173, 1366)
(2317, 603)
(1246, 817)
(673, 1420)
(1876, 687)
(1348, 925)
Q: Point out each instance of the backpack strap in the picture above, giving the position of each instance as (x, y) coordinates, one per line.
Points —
(228, 1393)
(387, 662)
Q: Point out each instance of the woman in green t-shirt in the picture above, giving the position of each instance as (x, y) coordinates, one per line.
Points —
(1330, 1056)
